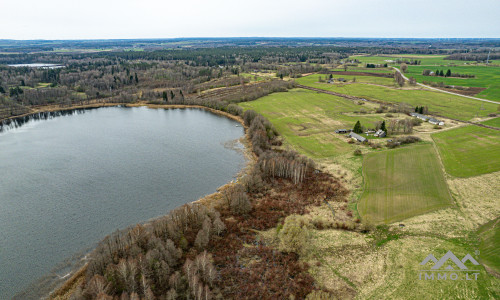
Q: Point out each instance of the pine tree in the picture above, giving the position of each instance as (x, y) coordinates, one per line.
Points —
(382, 126)
(448, 73)
(441, 73)
(136, 79)
(421, 110)
(357, 128)
(165, 96)
(416, 109)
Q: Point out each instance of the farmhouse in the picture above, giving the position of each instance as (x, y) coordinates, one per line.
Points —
(357, 137)
(380, 133)
(342, 130)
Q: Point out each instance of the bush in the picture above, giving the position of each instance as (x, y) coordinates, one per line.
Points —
(389, 115)
(492, 115)
(357, 152)
(294, 237)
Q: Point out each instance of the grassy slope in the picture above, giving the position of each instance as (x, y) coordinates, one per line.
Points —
(492, 122)
(469, 151)
(402, 183)
(490, 244)
(444, 104)
(486, 77)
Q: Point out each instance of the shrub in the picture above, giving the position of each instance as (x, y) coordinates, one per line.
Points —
(294, 237)
(357, 152)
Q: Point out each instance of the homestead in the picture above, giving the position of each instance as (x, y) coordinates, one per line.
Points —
(380, 133)
(357, 137)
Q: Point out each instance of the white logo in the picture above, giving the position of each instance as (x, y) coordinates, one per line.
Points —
(438, 264)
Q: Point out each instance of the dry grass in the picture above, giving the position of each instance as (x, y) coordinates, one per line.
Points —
(477, 197)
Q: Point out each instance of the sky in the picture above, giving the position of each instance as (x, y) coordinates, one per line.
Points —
(113, 19)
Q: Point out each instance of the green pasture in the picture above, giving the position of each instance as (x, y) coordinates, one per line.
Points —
(439, 103)
(486, 77)
(492, 122)
(469, 151)
(402, 183)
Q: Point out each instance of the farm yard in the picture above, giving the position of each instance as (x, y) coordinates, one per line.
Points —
(402, 183)
(308, 119)
(469, 151)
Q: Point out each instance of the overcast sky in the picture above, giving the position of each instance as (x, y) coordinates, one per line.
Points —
(103, 19)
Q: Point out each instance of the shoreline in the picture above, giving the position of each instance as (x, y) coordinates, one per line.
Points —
(67, 287)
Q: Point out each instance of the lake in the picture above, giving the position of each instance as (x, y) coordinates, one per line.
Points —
(69, 181)
(37, 65)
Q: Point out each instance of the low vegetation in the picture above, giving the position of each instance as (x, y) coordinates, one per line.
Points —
(402, 183)
(469, 151)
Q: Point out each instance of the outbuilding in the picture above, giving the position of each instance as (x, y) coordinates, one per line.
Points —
(357, 137)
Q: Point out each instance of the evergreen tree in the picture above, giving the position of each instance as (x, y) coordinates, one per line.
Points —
(448, 73)
(136, 79)
(416, 109)
(382, 126)
(2, 91)
(441, 73)
(357, 128)
(437, 73)
(172, 95)
(421, 110)
(165, 96)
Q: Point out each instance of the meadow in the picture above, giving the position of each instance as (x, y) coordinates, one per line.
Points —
(308, 120)
(439, 103)
(426, 60)
(492, 122)
(490, 244)
(402, 183)
(469, 151)
(487, 77)
(363, 79)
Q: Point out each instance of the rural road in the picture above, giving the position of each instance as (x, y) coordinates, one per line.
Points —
(433, 88)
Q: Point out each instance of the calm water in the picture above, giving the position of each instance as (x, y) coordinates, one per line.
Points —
(38, 65)
(69, 181)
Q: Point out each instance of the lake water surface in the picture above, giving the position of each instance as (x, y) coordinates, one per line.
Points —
(69, 181)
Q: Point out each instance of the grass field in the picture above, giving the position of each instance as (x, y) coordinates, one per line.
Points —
(428, 60)
(308, 119)
(492, 122)
(486, 77)
(402, 183)
(469, 151)
(364, 79)
(490, 244)
(444, 104)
